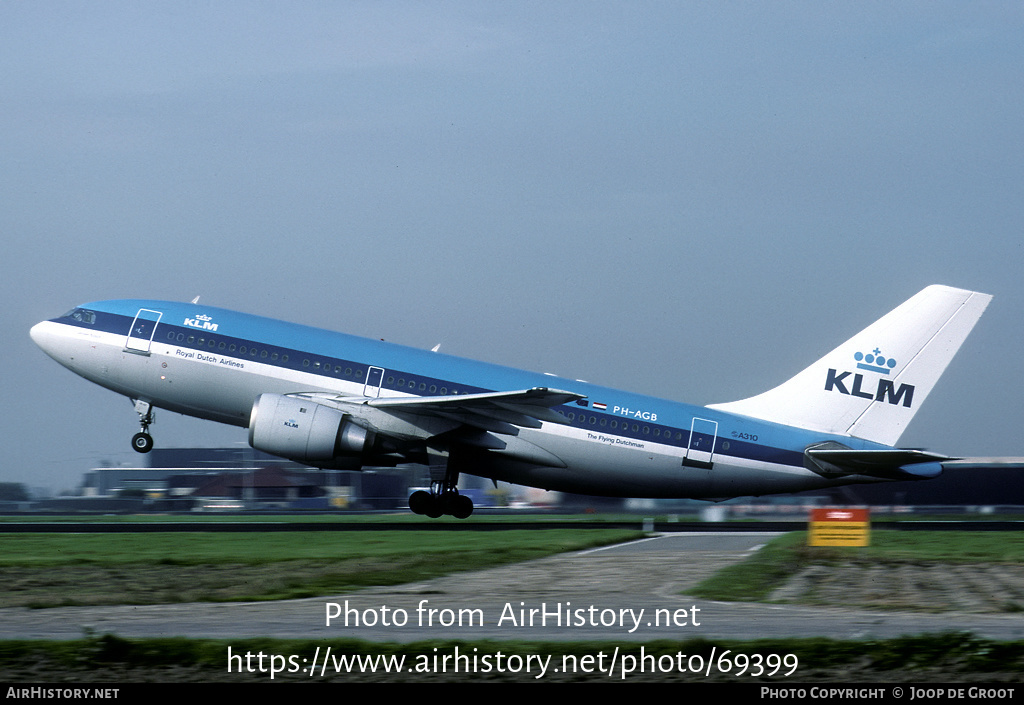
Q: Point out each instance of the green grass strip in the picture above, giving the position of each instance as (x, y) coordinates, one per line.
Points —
(756, 577)
(55, 570)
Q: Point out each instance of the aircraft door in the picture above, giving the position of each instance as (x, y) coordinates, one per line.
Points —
(140, 335)
(700, 453)
(374, 376)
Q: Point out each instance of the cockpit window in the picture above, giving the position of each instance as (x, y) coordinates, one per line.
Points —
(81, 315)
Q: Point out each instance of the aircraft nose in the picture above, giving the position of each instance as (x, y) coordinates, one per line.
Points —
(37, 333)
(42, 335)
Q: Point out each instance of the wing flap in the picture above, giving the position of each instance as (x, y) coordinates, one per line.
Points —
(488, 421)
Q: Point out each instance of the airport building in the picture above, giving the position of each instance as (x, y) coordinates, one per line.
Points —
(231, 479)
(241, 478)
(244, 479)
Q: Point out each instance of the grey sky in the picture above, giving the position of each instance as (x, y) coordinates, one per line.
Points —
(689, 200)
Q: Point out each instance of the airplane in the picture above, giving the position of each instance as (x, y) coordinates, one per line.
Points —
(332, 400)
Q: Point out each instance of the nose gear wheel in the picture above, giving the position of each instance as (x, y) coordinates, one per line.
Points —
(142, 442)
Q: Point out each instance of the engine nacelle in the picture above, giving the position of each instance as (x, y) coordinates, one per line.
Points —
(302, 430)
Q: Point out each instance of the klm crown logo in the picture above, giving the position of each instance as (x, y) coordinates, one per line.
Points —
(874, 361)
(202, 322)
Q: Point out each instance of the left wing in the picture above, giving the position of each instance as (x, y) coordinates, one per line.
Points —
(489, 421)
(499, 412)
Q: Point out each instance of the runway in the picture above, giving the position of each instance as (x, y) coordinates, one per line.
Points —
(629, 592)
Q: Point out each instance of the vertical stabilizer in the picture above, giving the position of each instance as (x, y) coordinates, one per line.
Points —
(872, 385)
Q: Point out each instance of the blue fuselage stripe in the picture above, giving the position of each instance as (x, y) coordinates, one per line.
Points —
(605, 411)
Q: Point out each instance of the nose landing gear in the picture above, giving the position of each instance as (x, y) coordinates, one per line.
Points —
(142, 442)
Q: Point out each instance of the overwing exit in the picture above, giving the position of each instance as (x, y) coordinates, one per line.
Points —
(332, 400)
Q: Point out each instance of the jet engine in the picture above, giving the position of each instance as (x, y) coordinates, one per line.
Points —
(302, 430)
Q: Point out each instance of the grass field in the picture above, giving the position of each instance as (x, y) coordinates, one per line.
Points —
(46, 570)
(57, 569)
(49, 570)
(760, 574)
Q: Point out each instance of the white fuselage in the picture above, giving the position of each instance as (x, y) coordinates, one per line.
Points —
(615, 443)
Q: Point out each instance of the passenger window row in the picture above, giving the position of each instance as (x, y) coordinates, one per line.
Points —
(357, 374)
(225, 347)
(613, 424)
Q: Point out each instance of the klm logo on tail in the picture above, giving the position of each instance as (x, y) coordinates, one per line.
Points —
(885, 390)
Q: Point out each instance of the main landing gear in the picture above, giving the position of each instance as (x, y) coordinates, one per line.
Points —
(443, 497)
(142, 442)
(434, 504)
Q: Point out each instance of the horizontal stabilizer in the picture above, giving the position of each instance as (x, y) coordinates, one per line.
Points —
(893, 464)
(831, 460)
(984, 464)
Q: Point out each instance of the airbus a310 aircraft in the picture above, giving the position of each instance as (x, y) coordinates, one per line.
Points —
(336, 401)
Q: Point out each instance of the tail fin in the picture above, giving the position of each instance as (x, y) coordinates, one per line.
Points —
(871, 385)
